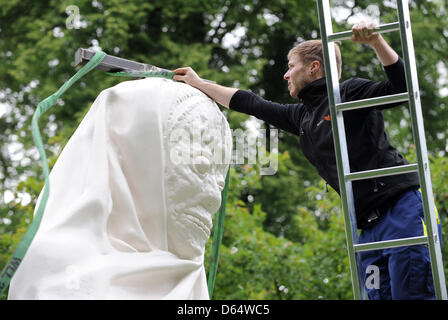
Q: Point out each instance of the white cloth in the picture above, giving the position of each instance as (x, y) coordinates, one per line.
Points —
(122, 221)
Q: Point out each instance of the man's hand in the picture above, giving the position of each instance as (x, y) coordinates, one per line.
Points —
(218, 93)
(363, 33)
(187, 75)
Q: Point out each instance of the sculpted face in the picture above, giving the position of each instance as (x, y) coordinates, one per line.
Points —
(199, 139)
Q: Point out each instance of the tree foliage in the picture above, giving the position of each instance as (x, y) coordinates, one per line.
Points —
(284, 234)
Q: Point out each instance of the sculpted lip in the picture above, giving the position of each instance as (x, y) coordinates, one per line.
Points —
(202, 214)
(197, 218)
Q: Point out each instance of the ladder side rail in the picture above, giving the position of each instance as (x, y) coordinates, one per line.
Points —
(421, 149)
(340, 144)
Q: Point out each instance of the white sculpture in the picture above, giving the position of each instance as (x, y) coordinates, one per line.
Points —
(125, 218)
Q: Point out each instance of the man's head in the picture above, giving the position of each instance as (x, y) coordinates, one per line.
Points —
(306, 64)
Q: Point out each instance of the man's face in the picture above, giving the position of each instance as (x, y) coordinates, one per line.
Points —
(297, 75)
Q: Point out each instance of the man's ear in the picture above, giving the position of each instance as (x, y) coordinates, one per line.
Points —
(316, 66)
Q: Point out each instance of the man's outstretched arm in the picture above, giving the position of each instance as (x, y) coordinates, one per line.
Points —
(283, 116)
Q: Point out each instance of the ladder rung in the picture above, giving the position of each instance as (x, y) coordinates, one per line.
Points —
(365, 103)
(388, 27)
(412, 241)
(382, 172)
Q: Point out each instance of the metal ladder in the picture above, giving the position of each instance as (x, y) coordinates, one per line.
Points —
(346, 177)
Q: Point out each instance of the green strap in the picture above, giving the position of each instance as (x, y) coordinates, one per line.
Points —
(217, 237)
(143, 74)
(42, 107)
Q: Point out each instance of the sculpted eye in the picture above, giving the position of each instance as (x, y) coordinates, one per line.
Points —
(202, 164)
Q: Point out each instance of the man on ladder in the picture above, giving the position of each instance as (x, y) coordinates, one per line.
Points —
(388, 207)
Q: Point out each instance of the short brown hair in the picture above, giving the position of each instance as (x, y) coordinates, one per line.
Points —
(311, 50)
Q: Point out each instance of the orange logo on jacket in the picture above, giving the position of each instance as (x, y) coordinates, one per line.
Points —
(327, 118)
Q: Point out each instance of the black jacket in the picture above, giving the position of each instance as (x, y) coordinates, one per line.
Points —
(367, 141)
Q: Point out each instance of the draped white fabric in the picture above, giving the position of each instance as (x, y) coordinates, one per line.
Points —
(123, 219)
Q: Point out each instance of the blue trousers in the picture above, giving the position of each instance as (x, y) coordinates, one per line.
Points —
(403, 273)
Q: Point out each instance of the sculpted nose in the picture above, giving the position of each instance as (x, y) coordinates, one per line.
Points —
(211, 201)
(221, 181)
(211, 195)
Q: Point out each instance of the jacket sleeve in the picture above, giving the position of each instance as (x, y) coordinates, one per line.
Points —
(359, 88)
(282, 116)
